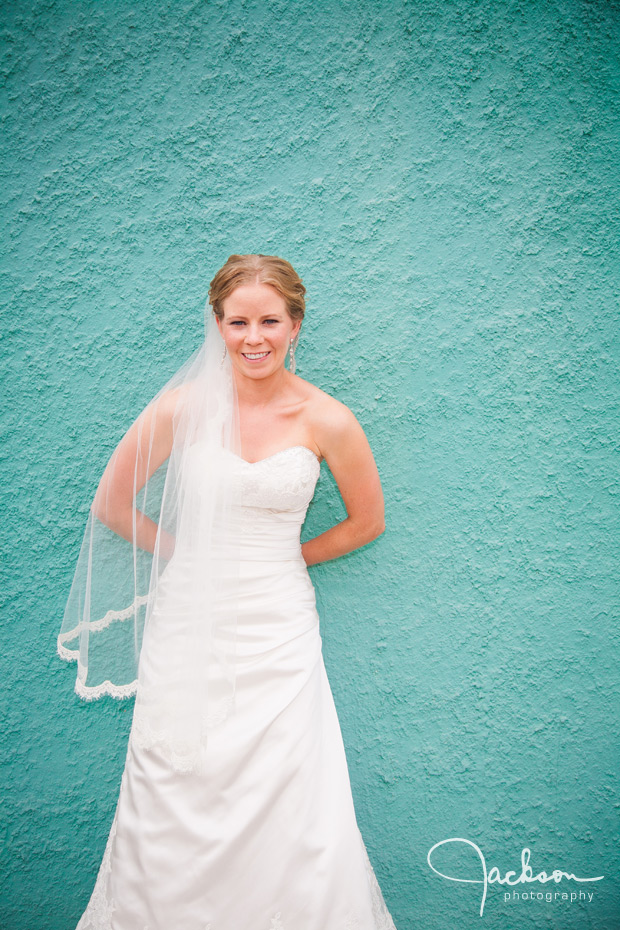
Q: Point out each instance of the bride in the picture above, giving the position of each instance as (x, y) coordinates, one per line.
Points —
(235, 809)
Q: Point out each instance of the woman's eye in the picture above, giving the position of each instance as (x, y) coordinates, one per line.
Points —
(271, 321)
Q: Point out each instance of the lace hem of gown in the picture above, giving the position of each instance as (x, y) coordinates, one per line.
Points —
(380, 913)
(98, 914)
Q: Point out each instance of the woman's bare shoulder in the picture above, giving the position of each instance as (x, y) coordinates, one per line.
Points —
(326, 413)
(338, 434)
(170, 402)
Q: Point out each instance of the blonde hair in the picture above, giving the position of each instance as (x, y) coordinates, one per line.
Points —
(258, 269)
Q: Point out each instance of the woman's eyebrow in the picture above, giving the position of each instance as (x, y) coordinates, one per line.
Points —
(242, 316)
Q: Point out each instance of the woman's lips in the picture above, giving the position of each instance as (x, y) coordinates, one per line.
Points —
(255, 356)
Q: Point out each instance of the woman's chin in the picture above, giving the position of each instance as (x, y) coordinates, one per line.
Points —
(258, 368)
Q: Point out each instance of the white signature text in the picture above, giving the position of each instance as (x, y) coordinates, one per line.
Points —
(494, 875)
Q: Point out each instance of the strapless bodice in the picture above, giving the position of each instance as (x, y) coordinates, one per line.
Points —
(267, 501)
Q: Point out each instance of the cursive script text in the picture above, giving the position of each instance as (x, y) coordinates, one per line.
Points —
(494, 875)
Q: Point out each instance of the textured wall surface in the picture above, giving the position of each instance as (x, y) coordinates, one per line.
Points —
(444, 176)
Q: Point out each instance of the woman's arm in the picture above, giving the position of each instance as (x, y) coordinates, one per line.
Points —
(143, 448)
(345, 448)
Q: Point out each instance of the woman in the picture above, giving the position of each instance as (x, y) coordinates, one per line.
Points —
(235, 809)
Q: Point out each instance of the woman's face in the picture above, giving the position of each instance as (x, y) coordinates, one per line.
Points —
(257, 329)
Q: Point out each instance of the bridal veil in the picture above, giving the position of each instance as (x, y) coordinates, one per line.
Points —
(143, 495)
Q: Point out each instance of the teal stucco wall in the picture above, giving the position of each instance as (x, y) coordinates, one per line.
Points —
(444, 176)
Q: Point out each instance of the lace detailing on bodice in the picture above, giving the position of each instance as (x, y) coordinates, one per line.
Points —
(282, 481)
(271, 500)
(266, 504)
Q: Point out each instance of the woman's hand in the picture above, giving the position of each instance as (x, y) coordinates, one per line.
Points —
(345, 448)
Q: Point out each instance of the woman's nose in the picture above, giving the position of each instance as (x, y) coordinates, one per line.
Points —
(253, 335)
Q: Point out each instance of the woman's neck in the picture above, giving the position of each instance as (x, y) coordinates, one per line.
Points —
(253, 392)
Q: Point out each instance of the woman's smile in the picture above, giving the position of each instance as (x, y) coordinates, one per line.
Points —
(255, 356)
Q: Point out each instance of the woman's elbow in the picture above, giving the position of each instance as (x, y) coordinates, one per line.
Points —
(379, 528)
(110, 515)
(102, 514)
(373, 530)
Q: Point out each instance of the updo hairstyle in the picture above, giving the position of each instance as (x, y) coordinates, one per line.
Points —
(258, 269)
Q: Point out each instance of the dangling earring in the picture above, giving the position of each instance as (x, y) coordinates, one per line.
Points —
(223, 355)
(291, 359)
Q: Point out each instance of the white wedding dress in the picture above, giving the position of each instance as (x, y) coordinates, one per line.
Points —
(267, 839)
